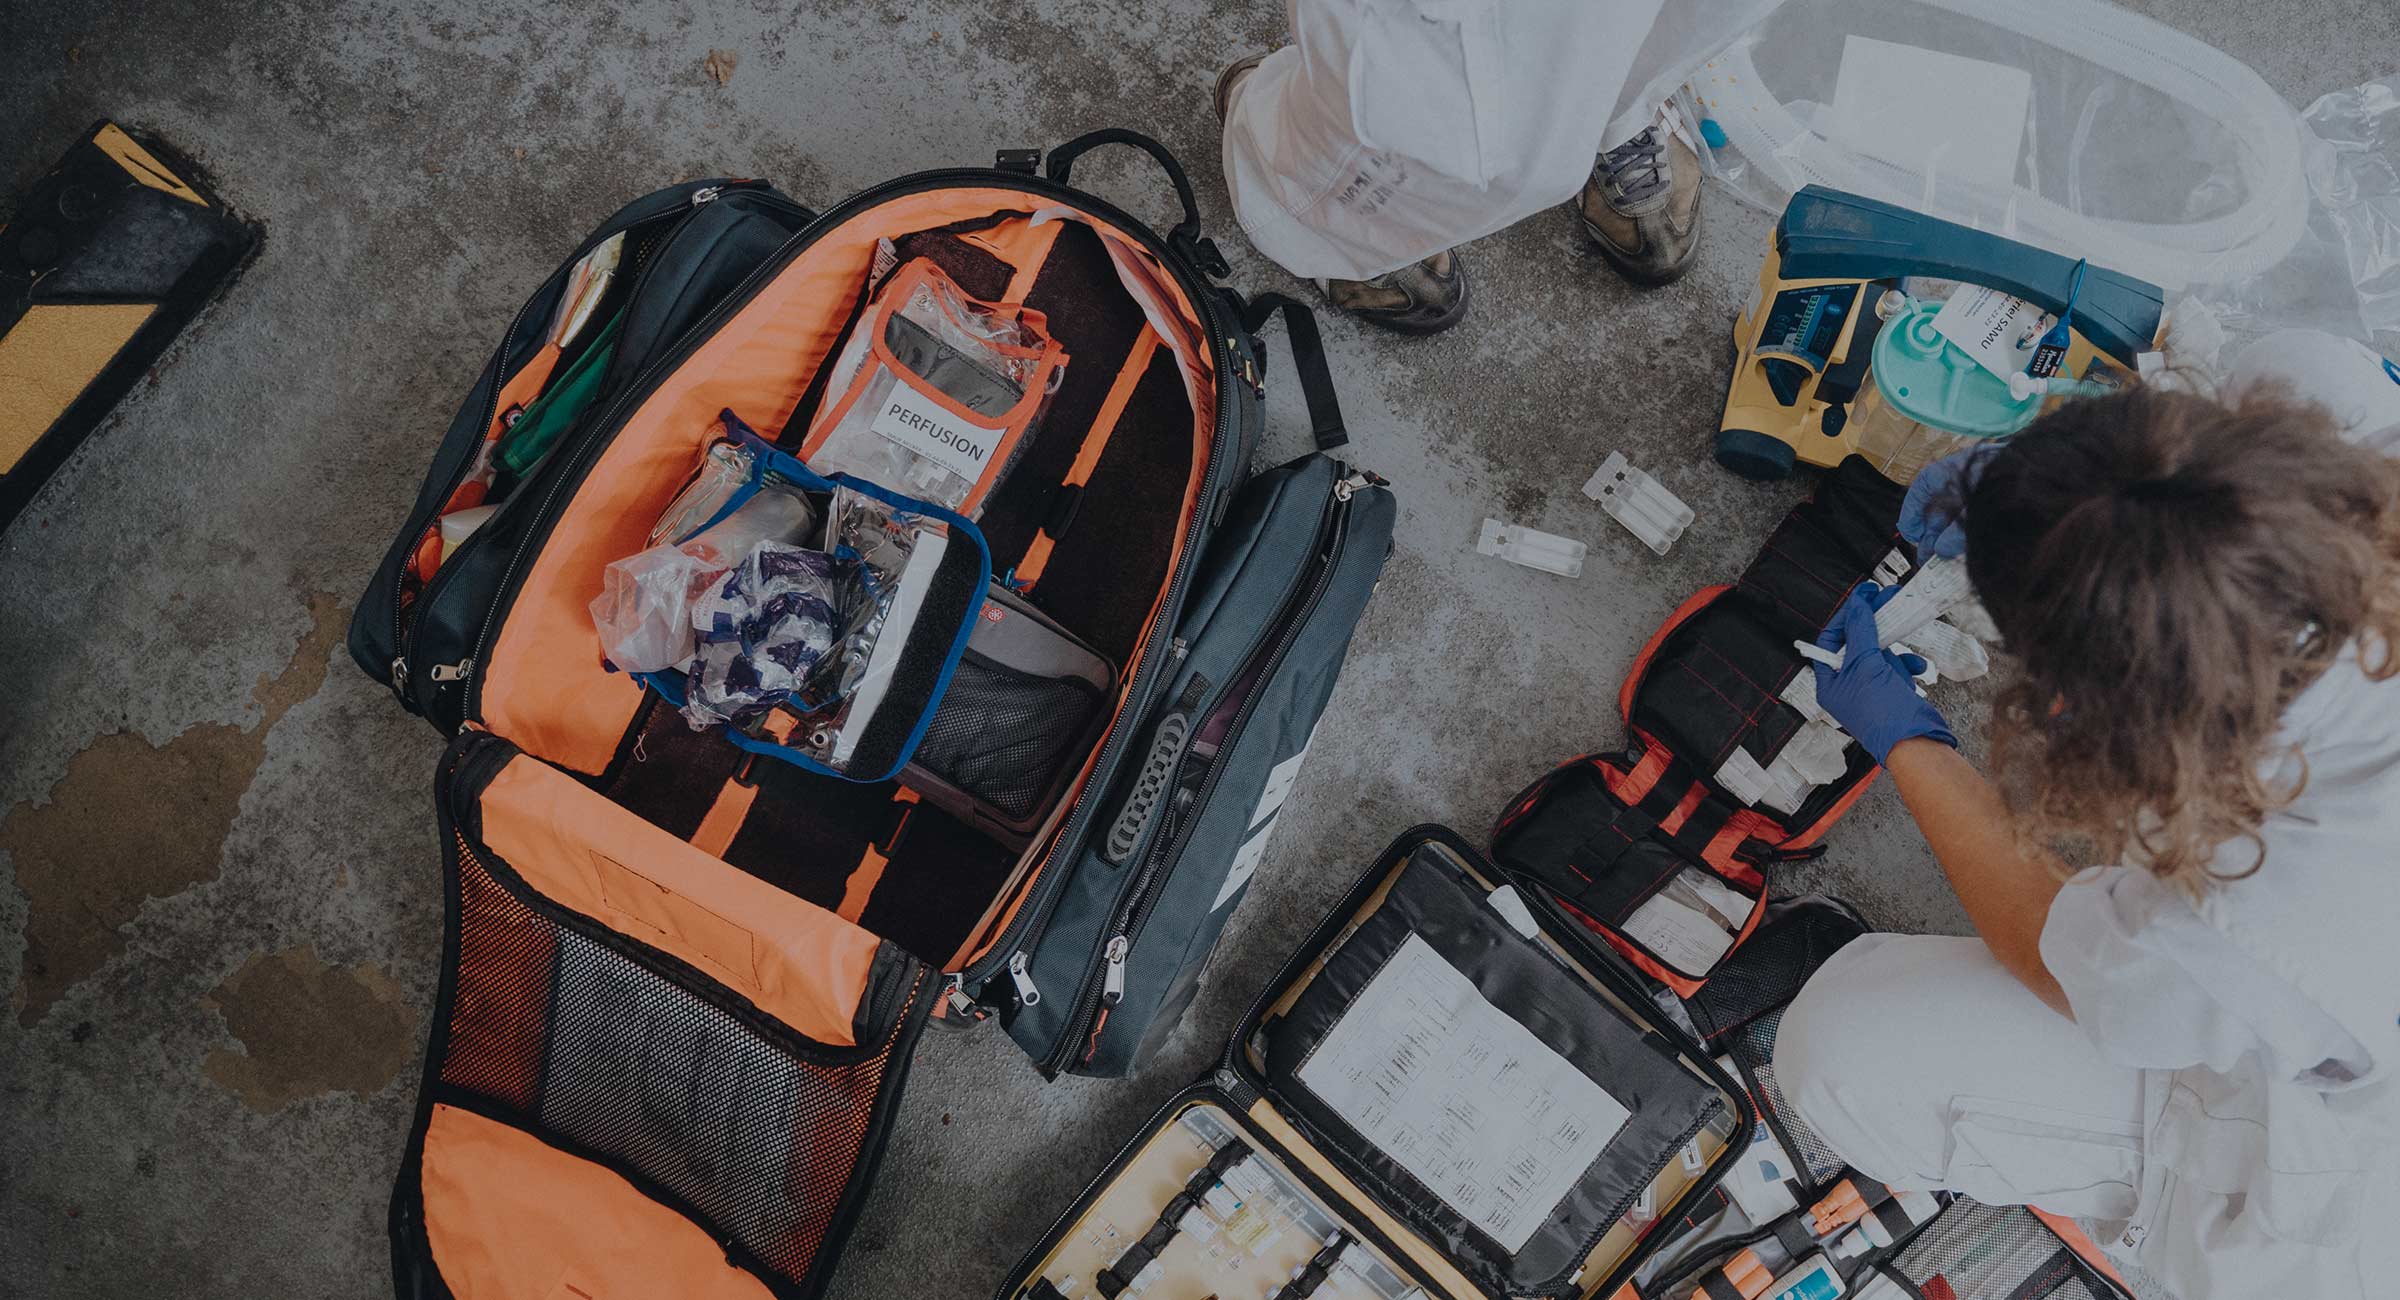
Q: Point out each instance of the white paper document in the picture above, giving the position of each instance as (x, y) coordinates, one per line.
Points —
(2000, 331)
(1688, 939)
(1461, 1096)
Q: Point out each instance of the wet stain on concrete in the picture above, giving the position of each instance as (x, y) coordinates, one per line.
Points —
(132, 821)
(306, 1028)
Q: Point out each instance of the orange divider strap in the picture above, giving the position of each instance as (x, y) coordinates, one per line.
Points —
(1028, 251)
(869, 872)
(735, 797)
(1104, 425)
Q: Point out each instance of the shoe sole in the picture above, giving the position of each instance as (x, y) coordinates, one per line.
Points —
(1632, 272)
(1419, 328)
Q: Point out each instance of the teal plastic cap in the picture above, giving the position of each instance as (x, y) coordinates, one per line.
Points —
(1933, 381)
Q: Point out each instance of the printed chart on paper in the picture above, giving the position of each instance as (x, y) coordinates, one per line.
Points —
(1463, 1097)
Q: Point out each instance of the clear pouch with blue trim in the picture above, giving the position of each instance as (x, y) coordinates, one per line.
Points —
(831, 636)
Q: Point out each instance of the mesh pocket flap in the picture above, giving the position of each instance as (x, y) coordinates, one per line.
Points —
(1003, 736)
(661, 1086)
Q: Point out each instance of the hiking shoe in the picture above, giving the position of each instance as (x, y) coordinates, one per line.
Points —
(1421, 298)
(1642, 206)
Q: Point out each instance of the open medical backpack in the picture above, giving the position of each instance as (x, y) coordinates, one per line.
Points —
(684, 969)
(1412, 1108)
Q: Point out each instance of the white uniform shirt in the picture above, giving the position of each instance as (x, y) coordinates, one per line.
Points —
(2267, 1012)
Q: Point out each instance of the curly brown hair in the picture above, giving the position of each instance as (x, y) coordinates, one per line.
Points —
(2168, 571)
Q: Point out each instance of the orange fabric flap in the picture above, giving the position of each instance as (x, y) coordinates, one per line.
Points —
(510, 1217)
(796, 961)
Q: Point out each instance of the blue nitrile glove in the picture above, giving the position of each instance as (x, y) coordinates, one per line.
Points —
(1932, 518)
(1871, 695)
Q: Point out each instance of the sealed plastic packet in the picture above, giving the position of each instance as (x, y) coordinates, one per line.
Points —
(698, 517)
(763, 634)
(644, 610)
(937, 393)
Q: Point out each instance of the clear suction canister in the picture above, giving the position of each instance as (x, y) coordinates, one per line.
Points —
(1928, 398)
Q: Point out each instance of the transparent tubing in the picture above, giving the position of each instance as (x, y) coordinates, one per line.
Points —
(2235, 246)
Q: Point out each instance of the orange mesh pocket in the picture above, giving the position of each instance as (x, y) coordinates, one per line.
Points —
(628, 1058)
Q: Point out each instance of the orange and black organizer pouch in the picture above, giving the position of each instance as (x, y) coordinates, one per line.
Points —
(1604, 834)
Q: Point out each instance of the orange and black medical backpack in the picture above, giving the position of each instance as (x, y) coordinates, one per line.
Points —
(683, 970)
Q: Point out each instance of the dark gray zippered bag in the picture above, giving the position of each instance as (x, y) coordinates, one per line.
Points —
(1285, 581)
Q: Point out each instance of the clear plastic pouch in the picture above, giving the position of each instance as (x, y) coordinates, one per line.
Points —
(644, 609)
(833, 605)
(889, 556)
(937, 392)
(2138, 146)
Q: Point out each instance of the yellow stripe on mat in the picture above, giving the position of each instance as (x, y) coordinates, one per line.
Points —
(142, 166)
(49, 357)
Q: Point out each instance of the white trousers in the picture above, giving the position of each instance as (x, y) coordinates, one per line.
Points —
(1389, 130)
(1925, 1064)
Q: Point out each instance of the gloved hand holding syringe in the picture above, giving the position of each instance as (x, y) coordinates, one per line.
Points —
(1939, 583)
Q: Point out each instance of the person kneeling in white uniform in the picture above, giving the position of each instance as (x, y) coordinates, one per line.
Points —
(2198, 1045)
(1391, 131)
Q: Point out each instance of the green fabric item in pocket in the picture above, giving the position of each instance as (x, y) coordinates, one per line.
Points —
(555, 411)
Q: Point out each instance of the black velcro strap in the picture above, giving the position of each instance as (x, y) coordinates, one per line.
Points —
(1308, 361)
(1066, 501)
(1720, 1287)
(1116, 1277)
(1667, 791)
(1894, 1219)
(1794, 1235)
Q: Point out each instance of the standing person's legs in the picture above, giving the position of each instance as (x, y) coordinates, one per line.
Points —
(1424, 297)
(1387, 133)
(1924, 1064)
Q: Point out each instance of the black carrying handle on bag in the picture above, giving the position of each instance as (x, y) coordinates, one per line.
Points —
(1308, 361)
(1185, 238)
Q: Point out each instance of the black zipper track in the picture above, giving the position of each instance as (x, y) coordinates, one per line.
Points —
(601, 432)
(1132, 914)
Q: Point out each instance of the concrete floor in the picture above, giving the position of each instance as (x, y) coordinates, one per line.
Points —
(222, 916)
